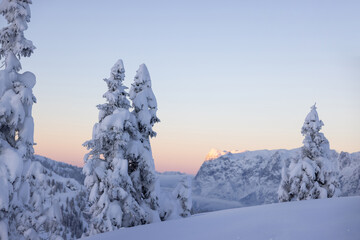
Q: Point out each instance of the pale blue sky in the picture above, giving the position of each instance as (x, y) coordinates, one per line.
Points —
(226, 74)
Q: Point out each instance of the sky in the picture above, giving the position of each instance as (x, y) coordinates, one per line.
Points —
(231, 75)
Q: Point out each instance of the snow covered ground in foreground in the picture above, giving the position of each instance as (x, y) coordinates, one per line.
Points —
(337, 218)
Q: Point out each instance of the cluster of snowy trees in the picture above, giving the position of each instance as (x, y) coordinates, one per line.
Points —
(313, 175)
(119, 168)
(120, 171)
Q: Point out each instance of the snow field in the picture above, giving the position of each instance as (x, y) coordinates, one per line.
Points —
(335, 218)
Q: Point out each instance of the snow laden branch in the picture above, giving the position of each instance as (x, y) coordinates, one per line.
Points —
(12, 39)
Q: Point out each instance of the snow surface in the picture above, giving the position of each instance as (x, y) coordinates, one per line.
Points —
(206, 204)
(335, 218)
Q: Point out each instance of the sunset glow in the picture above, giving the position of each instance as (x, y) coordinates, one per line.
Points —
(228, 80)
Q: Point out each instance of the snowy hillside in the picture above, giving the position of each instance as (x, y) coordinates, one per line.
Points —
(336, 218)
(349, 165)
(250, 174)
(62, 169)
(65, 197)
(253, 177)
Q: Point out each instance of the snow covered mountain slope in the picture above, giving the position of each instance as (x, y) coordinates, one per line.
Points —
(335, 218)
(62, 169)
(250, 177)
(65, 192)
(253, 177)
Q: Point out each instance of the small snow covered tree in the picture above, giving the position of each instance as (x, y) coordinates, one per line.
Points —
(113, 200)
(18, 211)
(142, 167)
(284, 188)
(312, 176)
(182, 194)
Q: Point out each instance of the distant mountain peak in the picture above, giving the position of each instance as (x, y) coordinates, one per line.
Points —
(215, 153)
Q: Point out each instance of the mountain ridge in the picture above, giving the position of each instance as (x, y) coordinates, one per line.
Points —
(253, 177)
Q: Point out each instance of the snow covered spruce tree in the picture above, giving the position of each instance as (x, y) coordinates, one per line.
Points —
(113, 200)
(141, 167)
(20, 203)
(314, 175)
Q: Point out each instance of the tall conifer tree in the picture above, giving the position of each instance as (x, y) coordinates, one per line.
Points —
(20, 203)
(113, 199)
(143, 168)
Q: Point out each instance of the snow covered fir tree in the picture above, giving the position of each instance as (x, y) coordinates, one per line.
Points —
(313, 175)
(141, 162)
(20, 203)
(119, 168)
(29, 196)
